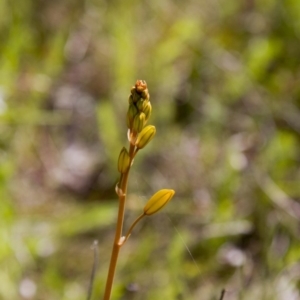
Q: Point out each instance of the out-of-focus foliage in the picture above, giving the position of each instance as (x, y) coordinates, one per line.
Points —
(224, 83)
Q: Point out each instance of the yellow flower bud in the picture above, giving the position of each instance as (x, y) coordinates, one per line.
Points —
(124, 161)
(131, 113)
(145, 136)
(138, 122)
(158, 201)
(147, 110)
(145, 95)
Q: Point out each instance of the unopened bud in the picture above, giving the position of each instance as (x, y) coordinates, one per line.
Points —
(135, 95)
(140, 85)
(158, 201)
(138, 122)
(141, 104)
(145, 95)
(130, 99)
(131, 113)
(147, 110)
(145, 136)
(124, 161)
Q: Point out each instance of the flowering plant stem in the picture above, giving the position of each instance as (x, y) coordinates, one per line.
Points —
(118, 241)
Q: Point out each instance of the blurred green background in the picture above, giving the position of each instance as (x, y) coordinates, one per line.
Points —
(224, 79)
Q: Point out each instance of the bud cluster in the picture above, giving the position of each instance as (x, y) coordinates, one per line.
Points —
(139, 110)
(138, 113)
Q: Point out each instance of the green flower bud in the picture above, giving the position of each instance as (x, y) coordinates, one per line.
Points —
(145, 95)
(141, 104)
(124, 161)
(128, 123)
(158, 201)
(131, 113)
(147, 110)
(135, 96)
(145, 136)
(138, 122)
(130, 99)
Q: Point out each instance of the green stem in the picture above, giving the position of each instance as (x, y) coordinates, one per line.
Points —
(131, 228)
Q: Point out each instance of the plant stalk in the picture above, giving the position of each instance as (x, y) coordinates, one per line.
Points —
(119, 227)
